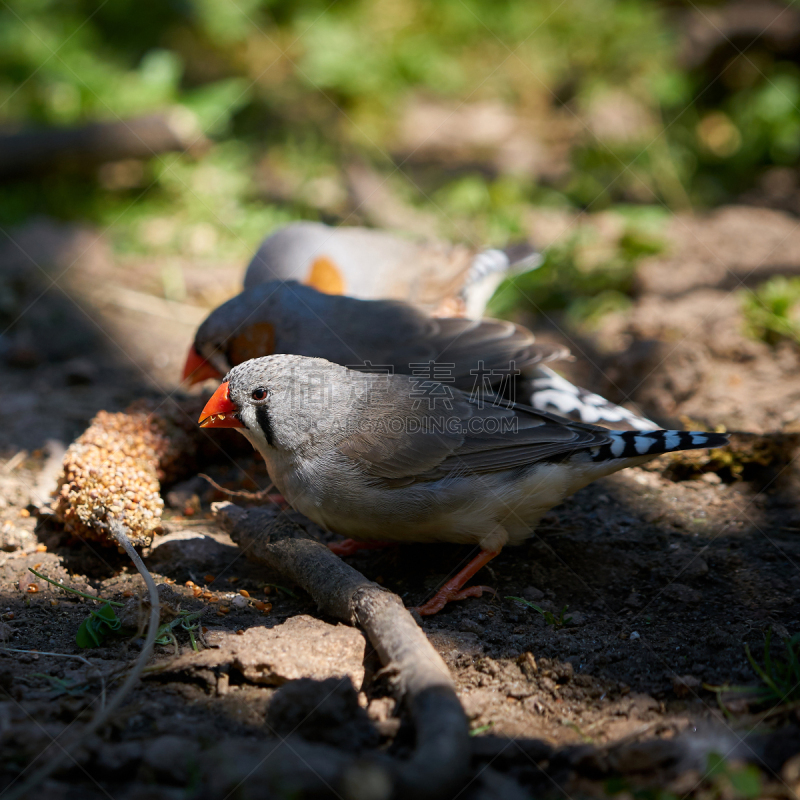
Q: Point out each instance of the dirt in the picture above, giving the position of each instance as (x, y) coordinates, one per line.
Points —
(648, 584)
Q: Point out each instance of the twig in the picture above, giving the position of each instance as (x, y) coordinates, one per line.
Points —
(118, 531)
(439, 766)
(262, 494)
(40, 150)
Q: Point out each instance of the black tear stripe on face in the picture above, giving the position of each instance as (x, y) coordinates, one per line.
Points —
(264, 422)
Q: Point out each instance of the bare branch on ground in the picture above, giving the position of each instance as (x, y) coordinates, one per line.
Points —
(439, 766)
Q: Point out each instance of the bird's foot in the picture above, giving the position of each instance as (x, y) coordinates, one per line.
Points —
(350, 547)
(448, 595)
(454, 588)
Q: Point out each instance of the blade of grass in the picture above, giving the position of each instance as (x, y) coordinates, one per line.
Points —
(74, 591)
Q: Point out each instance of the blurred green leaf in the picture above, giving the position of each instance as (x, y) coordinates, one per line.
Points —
(746, 781)
(292, 92)
(772, 311)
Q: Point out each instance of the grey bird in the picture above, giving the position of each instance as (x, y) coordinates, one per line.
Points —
(286, 317)
(387, 457)
(440, 277)
(474, 355)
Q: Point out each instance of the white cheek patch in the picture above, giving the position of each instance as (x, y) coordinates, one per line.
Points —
(248, 417)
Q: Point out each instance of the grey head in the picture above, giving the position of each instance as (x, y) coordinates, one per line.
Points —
(233, 319)
(292, 404)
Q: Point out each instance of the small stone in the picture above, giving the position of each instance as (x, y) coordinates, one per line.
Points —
(635, 635)
(791, 772)
(171, 757)
(565, 672)
(80, 371)
(548, 684)
(187, 493)
(696, 568)
(532, 593)
(239, 602)
(574, 619)
(470, 626)
(680, 593)
(118, 756)
(780, 629)
(684, 685)
(634, 600)
(527, 663)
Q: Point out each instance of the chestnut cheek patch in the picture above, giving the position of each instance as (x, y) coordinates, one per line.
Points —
(256, 341)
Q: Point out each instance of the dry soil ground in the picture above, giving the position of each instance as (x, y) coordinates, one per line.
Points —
(665, 572)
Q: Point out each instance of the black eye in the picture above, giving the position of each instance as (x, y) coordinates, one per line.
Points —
(260, 393)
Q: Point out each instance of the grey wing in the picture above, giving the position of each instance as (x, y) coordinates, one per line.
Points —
(349, 331)
(394, 440)
(487, 348)
(469, 354)
(396, 435)
(510, 435)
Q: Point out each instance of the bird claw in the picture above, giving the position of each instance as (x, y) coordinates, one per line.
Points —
(446, 595)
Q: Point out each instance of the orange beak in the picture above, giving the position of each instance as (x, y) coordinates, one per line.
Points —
(198, 369)
(220, 412)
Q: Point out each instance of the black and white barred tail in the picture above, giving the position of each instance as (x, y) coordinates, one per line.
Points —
(488, 269)
(632, 444)
(518, 257)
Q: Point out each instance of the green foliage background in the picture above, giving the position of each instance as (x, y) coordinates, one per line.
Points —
(310, 86)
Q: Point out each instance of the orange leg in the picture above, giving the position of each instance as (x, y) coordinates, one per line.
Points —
(453, 590)
(350, 547)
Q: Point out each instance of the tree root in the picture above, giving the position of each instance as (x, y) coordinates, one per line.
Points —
(439, 766)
